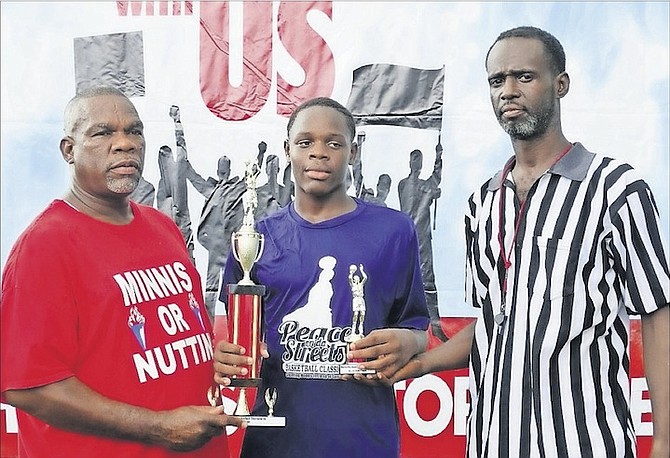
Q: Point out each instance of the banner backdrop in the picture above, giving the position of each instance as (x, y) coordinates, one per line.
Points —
(214, 79)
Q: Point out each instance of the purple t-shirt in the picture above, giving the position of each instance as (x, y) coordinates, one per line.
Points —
(305, 268)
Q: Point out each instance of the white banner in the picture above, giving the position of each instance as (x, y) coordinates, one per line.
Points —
(617, 57)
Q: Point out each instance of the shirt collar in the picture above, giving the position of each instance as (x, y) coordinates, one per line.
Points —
(573, 166)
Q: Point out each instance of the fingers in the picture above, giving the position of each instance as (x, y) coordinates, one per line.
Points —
(230, 361)
(385, 350)
(190, 427)
(220, 420)
(373, 346)
(264, 350)
(223, 420)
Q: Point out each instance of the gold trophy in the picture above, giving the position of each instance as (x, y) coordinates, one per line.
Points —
(244, 299)
(357, 284)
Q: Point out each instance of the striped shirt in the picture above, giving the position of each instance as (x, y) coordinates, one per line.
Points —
(552, 380)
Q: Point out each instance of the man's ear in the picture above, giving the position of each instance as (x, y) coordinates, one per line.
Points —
(66, 149)
(562, 84)
(353, 153)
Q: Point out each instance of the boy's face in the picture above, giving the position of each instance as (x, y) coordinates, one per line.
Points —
(320, 150)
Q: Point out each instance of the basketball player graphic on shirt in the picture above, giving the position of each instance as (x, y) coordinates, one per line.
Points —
(357, 284)
(316, 313)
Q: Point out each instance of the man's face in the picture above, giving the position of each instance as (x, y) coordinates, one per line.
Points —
(106, 146)
(522, 87)
(320, 149)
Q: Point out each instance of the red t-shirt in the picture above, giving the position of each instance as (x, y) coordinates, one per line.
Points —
(118, 307)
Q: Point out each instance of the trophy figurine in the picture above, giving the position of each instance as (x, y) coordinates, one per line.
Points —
(357, 284)
(244, 299)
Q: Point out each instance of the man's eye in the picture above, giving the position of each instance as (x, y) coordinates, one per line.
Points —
(335, 145)
(526, 77)
(304, 143)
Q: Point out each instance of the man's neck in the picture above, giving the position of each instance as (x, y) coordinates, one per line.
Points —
(537, 155)
(533, 158)
(117, 211)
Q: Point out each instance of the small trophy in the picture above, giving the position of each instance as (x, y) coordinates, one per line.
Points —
(242, 409)
(258, 420)
(357, 283)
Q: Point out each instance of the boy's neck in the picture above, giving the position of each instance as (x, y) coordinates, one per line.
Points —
(316, 211)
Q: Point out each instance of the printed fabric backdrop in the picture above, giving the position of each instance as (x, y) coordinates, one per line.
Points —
(214, 79)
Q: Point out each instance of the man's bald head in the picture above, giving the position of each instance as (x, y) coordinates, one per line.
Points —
(73, 110)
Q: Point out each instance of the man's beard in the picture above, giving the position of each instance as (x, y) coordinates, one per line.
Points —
(534, 125)
(124, 185)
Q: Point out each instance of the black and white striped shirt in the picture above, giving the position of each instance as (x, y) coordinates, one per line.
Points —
(552, 381)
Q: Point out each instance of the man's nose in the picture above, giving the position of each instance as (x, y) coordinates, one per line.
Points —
(509, 88)
(126, 142)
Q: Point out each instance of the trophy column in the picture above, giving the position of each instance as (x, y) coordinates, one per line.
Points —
(244, 322)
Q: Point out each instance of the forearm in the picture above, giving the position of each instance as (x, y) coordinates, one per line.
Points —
(656, 352)
(198, 182)
(180, 139)
(72, 406)
(452, 354)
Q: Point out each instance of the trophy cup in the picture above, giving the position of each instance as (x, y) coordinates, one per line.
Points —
(357, 284)
(244, 298)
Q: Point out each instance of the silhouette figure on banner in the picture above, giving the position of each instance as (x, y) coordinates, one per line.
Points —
(144, 193)
(172, 192)
(268, 193)
(221, 215)
(383, 182)
(287, 191)
(383, 189)
(273, 195)
(416, 198)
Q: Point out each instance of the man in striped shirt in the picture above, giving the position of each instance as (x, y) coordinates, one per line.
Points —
(562, 246)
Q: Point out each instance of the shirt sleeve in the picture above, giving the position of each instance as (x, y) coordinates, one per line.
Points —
(639, 249)
(410, 309)
(39, 320)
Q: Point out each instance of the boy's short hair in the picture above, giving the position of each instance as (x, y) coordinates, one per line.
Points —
(324, 102)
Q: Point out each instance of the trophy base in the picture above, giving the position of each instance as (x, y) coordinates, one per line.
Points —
(260, 421)
(245, 382)
(352, 368)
